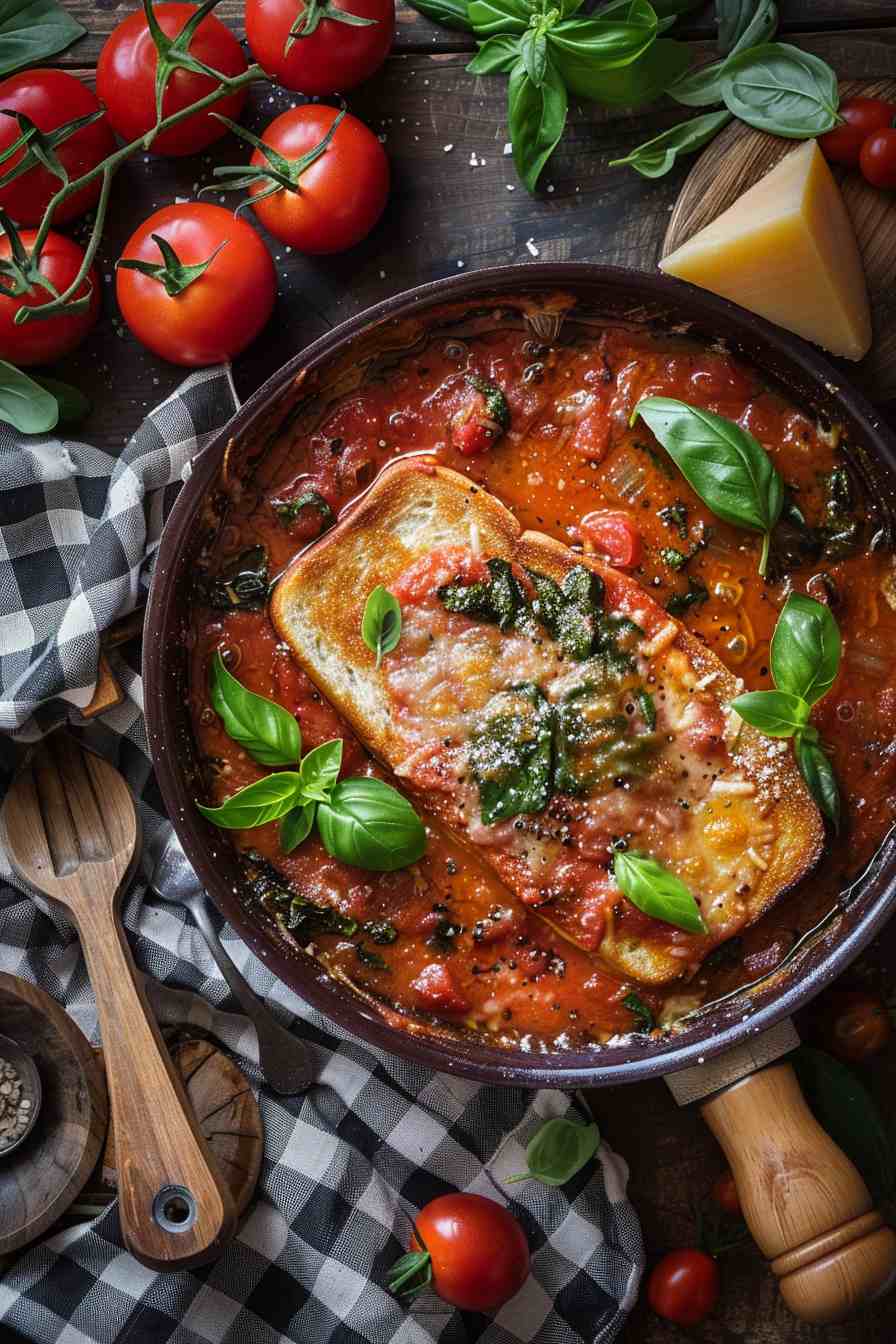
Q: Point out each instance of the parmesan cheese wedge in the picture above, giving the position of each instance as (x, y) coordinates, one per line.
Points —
(786, 250)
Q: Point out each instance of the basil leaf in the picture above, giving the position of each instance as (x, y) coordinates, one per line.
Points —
(656, 891)
(775, 713)
(497, 56)
(559, 1149)
(733, 18)
(266, 800)
(640, 81)
(499, 16)
(287, 510)
(604, 43)
(643, 1016)
(320, 770)
(778, 88)
(242, 584)
(726, 466)
(655, 157)
(266, 730)
(449, 13)
(536, 118)
(510, 754)
(74, 407)
(381, 623)
(844, 1107)
(805, 648)
(534, 54)
(296, 826)
(24, 404)
(817, 771)
(29, 33)
(704, 86)
(369, 824)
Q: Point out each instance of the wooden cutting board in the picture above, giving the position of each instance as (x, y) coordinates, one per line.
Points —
(739, 157)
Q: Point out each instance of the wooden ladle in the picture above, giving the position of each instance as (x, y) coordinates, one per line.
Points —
(72, 831)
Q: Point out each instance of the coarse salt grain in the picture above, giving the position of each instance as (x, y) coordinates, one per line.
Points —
(531, 248)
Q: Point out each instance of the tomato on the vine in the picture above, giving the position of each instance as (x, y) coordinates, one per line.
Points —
(50, 98)
(861, 118)
(684, 1286)
(320, 46)
(472, 1251)
(878, 159)
(614, 536)
(42, 340)
(126, 75)
(220, 275)
(340, 194)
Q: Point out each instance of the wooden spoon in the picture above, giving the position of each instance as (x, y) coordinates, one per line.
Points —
(72, 831)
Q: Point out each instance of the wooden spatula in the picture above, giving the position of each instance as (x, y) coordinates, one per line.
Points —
(71, 831)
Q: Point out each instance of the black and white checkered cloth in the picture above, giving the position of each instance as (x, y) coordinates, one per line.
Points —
(347, 1165)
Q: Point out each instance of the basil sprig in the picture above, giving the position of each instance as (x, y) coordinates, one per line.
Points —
(381, 622)
(655, 157)
(804, 662)
(364, 821)
(656, 891)
(559, 1150)
(723, 463)
(778, 88)
(703, 87)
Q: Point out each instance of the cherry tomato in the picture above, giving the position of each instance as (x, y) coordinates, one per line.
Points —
(684, 1287)
(477, 1250)
(878, 159)
(42, 341)
(340, 196)
(223, 309)
(50, 98)
(614, 536)
(334, 56)
(858, 1025)
(126, 73)
(724, 1192)
(862, 116)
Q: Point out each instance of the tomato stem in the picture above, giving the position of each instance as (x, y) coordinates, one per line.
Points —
(415, 1265)
(171, 272)
(281, 173)
(310, 15)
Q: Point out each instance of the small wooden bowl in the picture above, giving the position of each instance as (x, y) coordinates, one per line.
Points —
(12, 1053)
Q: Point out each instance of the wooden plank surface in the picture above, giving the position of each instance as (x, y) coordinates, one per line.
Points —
(446, 215)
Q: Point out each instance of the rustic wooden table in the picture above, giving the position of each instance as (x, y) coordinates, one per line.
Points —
(456, 204)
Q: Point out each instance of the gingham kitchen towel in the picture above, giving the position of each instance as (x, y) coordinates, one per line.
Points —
(346, 1166)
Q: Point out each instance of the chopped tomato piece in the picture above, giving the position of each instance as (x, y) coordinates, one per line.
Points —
(436, 991)
(447, 565)
(614, 536)
(592, 434)
(473, 437)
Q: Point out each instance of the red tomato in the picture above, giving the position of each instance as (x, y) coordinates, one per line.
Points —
(857, 1024)
(878, 159)
(220, 312)
(51, 98)
(472, 438)
(436, 991)
(126, 73)
(684, 1287)
(42, 341)
(614, 536)
(724, 1192)
(478, 1251)
(340, 196)
(862, 116)
(334, 56)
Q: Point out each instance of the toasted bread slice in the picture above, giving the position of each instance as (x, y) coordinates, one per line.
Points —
(708, 796)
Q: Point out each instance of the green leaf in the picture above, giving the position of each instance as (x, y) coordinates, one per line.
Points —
(780, 89)
(30, 33)
(726, 466)
(648, 708)
(817, 771)
(559, 1150)
(606, 43)
(643, 1016)
(381, 622)
(733, 18)
(24, 404)
(296, 826)
(657, 156)
(844, 1107)
(805, 648)
(369, 824)
(242, 584)
(704, 86)
(74, 406)
(656, 891)
(287, 510)
(536, 118)
(775, 713)
(499, 16)
(410, 1274)
(497, 56)
(510, 754)
(534, 53)
(320, 770)
(266, 800)
(449, 13)
(640, 81)
(265, 729)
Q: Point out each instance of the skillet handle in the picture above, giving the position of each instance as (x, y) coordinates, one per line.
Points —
(805, 1203)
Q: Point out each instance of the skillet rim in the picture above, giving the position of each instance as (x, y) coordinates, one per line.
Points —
(638, 1058)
